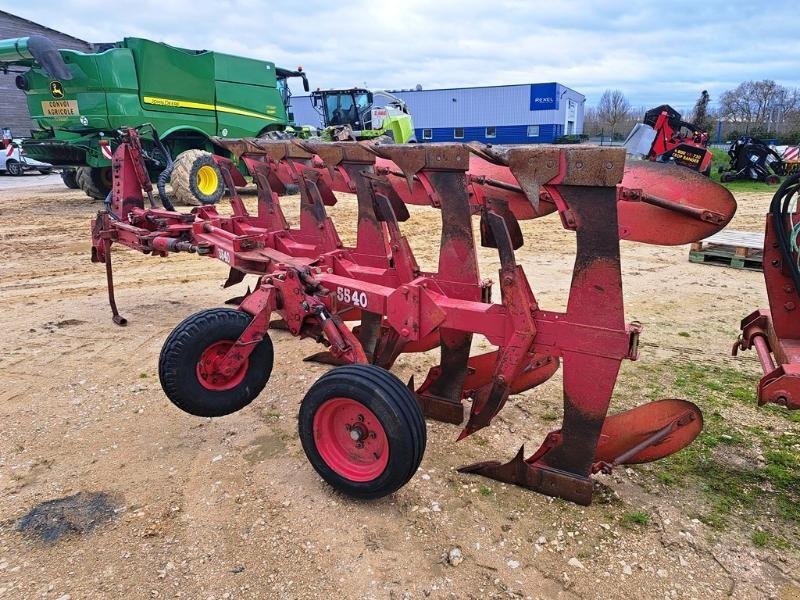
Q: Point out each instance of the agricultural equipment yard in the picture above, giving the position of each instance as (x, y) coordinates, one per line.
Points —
(230, 507)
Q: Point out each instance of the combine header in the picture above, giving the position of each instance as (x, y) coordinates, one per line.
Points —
(360, 426)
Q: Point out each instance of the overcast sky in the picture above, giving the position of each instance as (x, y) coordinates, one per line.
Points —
(655, 52)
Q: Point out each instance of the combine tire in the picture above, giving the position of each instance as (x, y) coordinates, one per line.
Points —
(196, 179)
(94, 181)
(188, 355)
(362, 430)
(69, 177)
(13, 167)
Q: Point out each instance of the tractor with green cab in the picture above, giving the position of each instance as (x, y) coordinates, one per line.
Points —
(79, 101)
(359, 114)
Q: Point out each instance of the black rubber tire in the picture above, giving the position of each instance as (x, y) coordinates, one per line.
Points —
(69, 177)
(177, 365)
(727, 177)
(13, 167)
(94, 181)
(184, 179)
(395, 407)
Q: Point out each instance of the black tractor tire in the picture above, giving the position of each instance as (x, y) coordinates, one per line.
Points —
(390, 422)
(196, 179)
(69, 177)
(13, 167)
(180, 367)
(94, 181)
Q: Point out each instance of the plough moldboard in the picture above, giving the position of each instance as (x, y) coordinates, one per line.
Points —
(361, 428)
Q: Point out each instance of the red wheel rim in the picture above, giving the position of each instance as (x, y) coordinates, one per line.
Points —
(350, 439)
(208, 374)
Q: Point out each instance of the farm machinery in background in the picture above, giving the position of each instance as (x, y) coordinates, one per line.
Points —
(79, 100)
(361, 428)
(665, 137)
(754, 160)
(354, 114)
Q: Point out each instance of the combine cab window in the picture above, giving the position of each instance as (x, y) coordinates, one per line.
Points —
(458, 133)
(427, 134)
(533, 131)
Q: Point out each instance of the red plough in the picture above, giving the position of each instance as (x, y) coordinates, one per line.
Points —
(361, 428)
(774, 333)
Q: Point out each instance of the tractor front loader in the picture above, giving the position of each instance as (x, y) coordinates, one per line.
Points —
(361, 428)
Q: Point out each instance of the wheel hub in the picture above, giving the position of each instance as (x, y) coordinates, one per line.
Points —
(208, 372)
(351, 439)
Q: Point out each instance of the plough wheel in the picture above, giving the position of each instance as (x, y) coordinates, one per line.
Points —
(362, 430)
(185, 367)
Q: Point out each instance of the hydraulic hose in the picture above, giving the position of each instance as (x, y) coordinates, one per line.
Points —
(161, 182)
(779, 209)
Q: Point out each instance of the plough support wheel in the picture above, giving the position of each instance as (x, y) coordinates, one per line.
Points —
(189, 361)
(362, 430)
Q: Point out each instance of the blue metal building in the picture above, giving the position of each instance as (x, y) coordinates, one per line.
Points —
(503, 114)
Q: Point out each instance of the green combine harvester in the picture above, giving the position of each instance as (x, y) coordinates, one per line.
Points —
(354, 114)
(79, 101)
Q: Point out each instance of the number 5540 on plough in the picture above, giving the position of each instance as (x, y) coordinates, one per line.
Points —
(360, 426)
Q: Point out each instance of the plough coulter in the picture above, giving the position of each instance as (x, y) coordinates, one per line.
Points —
(363, 429)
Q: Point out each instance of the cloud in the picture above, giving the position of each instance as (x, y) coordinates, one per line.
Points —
(653, 52)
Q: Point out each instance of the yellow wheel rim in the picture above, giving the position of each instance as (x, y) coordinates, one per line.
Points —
(207, 180)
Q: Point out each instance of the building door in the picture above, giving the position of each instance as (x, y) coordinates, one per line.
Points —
(571, 115)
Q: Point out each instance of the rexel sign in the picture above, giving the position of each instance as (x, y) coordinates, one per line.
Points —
(544, 96)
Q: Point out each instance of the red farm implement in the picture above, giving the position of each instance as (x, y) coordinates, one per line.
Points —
(361, 428)
(665, 137)
(774, 333)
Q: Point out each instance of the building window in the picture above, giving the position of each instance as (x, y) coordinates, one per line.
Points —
(458, 133)
(427, 134)
(533, 131)
(491, 132)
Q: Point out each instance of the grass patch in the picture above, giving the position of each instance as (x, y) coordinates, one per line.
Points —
(684, 334)
(549, 415)
(485, 490)
(635, 519)
(743, 473)
(760, 538)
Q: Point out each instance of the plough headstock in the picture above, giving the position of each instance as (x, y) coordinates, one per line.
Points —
(317, 286)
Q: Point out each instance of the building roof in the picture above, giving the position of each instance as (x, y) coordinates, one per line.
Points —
(481, 87)
(18, 18)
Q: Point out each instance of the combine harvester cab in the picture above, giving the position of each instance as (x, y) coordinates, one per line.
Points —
(361, 427)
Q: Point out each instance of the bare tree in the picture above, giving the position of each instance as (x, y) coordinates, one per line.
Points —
(759, 105)
(613, 110)
(700, 116)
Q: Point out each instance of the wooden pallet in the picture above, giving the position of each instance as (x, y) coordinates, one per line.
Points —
(737, 249)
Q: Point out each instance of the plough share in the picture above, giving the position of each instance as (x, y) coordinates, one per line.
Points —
(363, 429)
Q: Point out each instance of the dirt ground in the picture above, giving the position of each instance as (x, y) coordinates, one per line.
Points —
(161, 504)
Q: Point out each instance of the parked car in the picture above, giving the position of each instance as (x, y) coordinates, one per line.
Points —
(14, 162)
